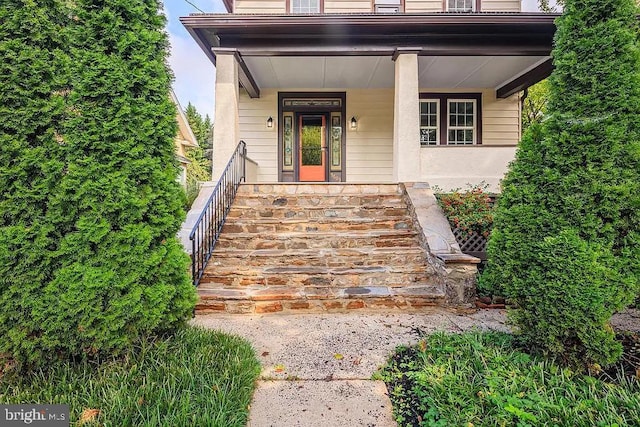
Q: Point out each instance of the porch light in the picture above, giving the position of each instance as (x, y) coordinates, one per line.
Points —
(270, 122)
(353, 123)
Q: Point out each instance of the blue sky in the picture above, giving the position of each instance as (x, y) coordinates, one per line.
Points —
(194, 73)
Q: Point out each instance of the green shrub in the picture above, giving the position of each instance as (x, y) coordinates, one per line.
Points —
(566, 240)
(470, 211)
(90, 206)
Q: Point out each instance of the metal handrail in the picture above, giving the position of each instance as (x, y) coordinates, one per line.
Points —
(207, 229)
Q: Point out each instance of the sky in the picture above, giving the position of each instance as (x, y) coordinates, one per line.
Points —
(194, 73)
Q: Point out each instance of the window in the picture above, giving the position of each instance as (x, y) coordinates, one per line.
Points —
(306, 6)
(460, 5)
(450, 119)
(461, 129)
(388, 6)
(429, 122)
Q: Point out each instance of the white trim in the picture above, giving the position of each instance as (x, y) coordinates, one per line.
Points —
(526, 70)
(456, 9)
(473, 128)
(437, 127)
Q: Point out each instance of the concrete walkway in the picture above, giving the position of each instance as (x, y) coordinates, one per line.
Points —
(317, 368)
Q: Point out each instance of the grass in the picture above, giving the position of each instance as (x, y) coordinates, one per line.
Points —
(479, 379)
(195, 378)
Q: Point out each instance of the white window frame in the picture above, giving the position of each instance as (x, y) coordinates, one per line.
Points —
(456, 8)
(436, 127)
(305, 10)
(473, 128)
(387, 6)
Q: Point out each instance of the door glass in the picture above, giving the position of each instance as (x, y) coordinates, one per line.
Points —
(311, 141)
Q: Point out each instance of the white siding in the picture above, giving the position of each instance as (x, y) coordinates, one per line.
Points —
(262, 143)
(501, 5)
(370, 147)
(260, 6)
(347, 6)
(423, 6)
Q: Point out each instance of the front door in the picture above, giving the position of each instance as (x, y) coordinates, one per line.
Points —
(312, 146)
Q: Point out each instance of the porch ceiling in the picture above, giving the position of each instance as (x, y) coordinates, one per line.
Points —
(436, 72)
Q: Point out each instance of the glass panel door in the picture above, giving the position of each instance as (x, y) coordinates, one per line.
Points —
(312, 142)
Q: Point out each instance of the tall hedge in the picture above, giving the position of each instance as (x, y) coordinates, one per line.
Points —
(566, 239)
(90, 205)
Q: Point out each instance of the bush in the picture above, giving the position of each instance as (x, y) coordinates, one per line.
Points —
(89, 261)
(470, 211)
(565, 247)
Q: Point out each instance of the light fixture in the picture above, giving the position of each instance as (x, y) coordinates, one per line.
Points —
(353, 123)
(270, 122)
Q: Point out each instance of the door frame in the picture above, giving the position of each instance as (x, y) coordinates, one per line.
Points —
(326, 120)
(312, 103)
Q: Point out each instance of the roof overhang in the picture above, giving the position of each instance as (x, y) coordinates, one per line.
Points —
(334, 35)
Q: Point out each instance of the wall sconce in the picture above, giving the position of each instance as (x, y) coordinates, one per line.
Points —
(353, 123)
(270, 123)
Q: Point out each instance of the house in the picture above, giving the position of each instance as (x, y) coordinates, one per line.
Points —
(349, 110)
(373, 91)
(184, 138)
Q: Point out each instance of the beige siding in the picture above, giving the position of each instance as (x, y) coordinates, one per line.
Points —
(501, 5)
(370, 147)
(260, 6)
(423, 5)
(347, 6)
(500, 119)
(262, 143)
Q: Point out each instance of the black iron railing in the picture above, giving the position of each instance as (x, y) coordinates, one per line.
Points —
(206, 231)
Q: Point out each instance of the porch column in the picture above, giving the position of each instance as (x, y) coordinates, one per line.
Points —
(406, 117)
(226, 117)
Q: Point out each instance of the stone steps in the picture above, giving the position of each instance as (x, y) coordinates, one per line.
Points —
(386, 210)
(322, 247)
(328, 257)
(308, 298)
(315, 225)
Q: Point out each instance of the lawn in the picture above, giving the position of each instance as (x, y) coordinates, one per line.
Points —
(195, 378)
(480, 379)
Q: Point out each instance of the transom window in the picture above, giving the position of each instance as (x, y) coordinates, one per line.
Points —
(305, 6)
(460, 5)
(429, 122)
(450, 119)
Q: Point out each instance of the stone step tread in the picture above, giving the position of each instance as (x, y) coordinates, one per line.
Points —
(322, 220)
(355, 234)
(275, 293)
(248, 271)
(315, 253)
(333, 189)
(386, 204)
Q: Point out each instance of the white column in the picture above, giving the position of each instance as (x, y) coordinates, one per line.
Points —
(226, 117)
(406, 117)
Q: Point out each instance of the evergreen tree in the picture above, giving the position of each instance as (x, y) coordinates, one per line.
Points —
(566, 240)
(97, 264)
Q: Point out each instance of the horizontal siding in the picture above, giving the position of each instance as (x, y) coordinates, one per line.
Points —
(260, 6)
(347, 6)
(262, 143)
(423, 5)
(370, 148)
(500, 119)
(501, 5)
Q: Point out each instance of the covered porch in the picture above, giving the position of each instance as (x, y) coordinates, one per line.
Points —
(373, 98)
